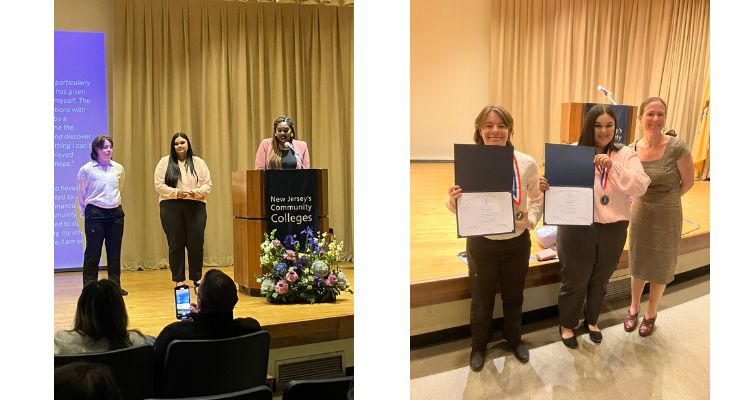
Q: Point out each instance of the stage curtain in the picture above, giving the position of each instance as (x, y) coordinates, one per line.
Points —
(222, 72)
(547, 52)
(702, 141)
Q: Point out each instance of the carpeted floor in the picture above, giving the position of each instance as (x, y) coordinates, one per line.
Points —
(673, 363)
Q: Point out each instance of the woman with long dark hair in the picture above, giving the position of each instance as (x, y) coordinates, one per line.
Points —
(101, 322)
(183, 181)
(282, 151)
(589, 254)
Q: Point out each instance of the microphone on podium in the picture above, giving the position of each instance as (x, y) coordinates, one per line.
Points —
(606, 93)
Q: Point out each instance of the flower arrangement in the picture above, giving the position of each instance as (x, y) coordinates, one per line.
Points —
(301, 271)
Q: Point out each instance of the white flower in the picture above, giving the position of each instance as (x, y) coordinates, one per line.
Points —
(319, 268)
(267, 285)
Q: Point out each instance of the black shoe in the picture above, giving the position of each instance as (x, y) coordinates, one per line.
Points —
(595, 337)
(476, 360)
(521, 352)
(571, 342)
(123, 292)
(195, 286)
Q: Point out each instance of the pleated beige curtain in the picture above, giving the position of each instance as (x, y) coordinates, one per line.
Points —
(222, 72)
(547, 52)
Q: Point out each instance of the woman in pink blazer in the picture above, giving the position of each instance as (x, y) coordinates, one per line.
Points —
(282, 151)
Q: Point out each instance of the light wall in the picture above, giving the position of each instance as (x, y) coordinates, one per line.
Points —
(450, 73)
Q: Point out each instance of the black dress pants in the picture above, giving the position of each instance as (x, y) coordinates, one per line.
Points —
(493, 262)
(102, 226)
(184, 222)
(588, 257)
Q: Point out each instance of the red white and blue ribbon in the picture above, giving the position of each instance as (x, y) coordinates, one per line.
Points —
(516, 183)
(603, 174)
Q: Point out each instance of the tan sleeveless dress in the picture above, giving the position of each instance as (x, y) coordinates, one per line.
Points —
(656, 218)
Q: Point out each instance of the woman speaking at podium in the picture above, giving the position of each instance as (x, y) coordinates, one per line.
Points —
(183, 181)
(282, 151)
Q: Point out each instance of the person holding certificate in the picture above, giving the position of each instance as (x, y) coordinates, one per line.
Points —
(503, 258)
(282, 151)
(657, 216)
(589, 253)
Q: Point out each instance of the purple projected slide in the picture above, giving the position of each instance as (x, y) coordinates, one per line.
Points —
(80, 115)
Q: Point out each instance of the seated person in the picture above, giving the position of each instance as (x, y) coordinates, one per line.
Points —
(100, 324)
(83, 380)
(212, 317)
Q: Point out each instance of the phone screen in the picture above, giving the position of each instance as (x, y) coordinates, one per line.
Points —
(182, 301)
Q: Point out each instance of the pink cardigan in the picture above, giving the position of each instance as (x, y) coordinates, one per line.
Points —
(265, 150)
(626, 178)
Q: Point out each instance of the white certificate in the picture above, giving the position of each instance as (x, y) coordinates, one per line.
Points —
(569, 205)
(484, 213)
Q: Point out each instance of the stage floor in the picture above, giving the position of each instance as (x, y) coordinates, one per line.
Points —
(150, 305)
(439, 276)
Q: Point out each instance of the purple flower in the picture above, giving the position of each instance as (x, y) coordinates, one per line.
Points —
(276, 243)
(289, 242)
(301, 261)
(331, 280)
(281, 287)
(289, 255)
(291, 276)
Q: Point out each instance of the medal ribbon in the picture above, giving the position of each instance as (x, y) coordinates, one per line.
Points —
(516, 182)
(603, 175)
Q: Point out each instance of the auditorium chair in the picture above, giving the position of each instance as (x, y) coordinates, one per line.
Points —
(214, 366)
(329, 389)
(257, 393)
(132, 368)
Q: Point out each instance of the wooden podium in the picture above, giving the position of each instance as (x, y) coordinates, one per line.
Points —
(251, 221)
(573, 114)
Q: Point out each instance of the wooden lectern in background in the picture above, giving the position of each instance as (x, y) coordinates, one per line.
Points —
(250, 222)
(572, 119)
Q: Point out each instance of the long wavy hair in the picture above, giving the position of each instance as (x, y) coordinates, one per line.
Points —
(101, 314)
(587, 130)
(274, 162)
(173, 175)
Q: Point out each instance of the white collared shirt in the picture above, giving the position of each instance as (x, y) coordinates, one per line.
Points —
(100, 185)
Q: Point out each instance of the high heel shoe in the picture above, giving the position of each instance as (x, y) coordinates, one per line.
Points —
(571, 342)
(647, 326)
(196, 284)
(630, 322)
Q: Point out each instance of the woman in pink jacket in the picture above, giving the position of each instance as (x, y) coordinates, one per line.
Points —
(282, 151)
(589, 254)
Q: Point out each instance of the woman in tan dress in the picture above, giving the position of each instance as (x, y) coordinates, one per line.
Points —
(656, 217)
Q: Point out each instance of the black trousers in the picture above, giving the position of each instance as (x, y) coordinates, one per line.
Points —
(588, 257)
(184, 222)
(102, 226)
(493, 262)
